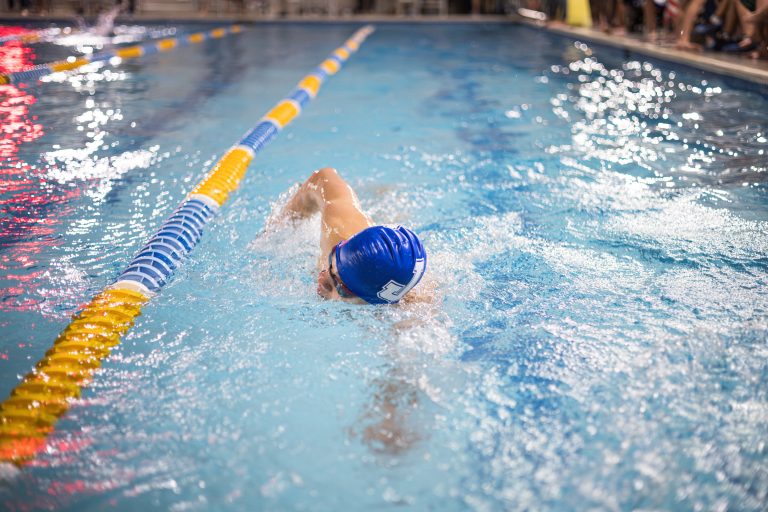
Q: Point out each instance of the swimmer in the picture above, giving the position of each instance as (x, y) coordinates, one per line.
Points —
(359, 262)
(105, 21)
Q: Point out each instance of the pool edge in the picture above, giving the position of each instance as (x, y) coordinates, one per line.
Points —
(702, 61)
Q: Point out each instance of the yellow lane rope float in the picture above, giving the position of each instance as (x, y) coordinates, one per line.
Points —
(30, 413)
(128, 52)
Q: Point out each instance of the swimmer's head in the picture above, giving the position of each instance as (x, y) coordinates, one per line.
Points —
(381, 264)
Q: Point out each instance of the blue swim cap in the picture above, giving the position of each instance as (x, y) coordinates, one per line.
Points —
(381, 264)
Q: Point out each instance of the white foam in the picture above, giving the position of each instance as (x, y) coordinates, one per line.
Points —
(684, 225)
(285, 254)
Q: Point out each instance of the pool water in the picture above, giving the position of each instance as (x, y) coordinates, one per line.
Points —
(597, 230)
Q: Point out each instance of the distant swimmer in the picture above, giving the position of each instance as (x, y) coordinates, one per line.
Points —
(359, 262)
(105, 21)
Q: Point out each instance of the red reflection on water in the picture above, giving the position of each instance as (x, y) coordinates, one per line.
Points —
(16, 126)
(26, 216)
(30, 209)
(14, 30)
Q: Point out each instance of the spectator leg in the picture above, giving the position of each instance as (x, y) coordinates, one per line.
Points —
(685, 25)
(619, 20)
(649, 20)
(730, 17)
(747, 28)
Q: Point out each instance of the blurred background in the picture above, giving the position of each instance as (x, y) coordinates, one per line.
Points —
(260, 8)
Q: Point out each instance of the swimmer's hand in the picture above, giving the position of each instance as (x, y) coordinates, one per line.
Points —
(280, 216)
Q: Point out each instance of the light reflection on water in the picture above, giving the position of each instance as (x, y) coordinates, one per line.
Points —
(599, 338)
(39, 193)
(628, 119)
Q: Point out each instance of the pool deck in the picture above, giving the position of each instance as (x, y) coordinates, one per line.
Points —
(734, 66)
(755, 71)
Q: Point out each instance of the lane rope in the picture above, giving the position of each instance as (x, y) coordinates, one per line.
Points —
(31, 411)
(29, 37)
(129, 52)
(50, 35)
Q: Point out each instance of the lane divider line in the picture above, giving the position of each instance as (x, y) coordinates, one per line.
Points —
(128, 52)
(54, 34)
(31, 411)
(32, 36)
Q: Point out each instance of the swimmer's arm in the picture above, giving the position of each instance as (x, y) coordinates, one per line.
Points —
(327, 192)
(307, 200)
(323, 188)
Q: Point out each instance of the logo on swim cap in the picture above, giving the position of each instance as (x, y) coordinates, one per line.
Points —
(381, 264)
(394, 291)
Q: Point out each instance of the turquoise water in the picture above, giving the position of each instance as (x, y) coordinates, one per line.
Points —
(597, 232)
